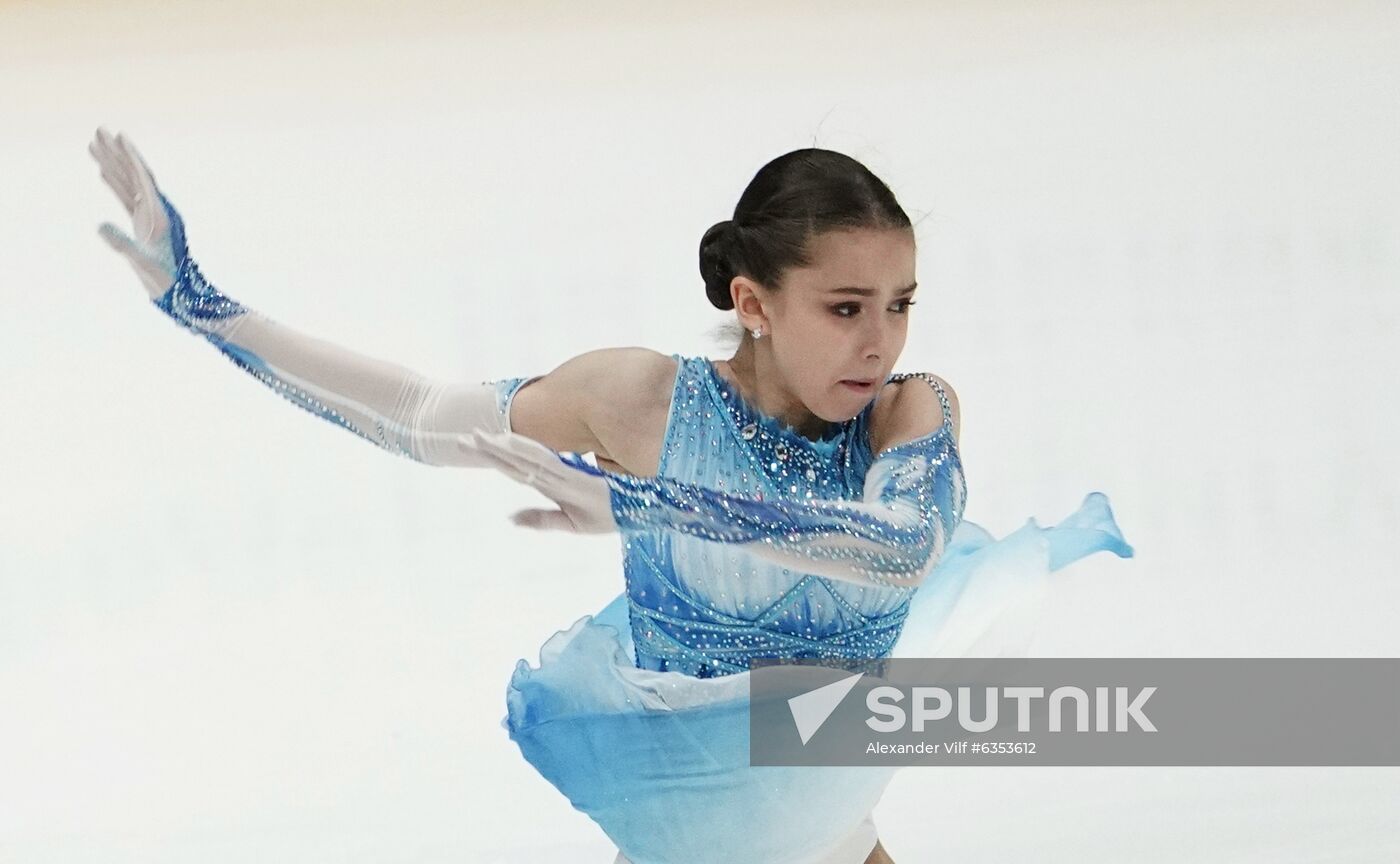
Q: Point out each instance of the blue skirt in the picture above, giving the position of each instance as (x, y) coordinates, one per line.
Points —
(660, 760)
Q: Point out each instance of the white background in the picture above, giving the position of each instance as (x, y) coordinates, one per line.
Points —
(1158, 258)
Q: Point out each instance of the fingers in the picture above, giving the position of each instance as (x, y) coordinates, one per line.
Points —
(123, 189)
(112, 172)
(124, 193)
(468, 457)
(115, 161)
(118, 240)
(148, 214)
(145, 181)
(136, 155)
(489, 445)
(473, 456)
(543, 520)
(524, 451)
(528, 448)
(495, 459)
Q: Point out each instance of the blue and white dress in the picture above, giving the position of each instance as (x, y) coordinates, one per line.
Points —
(639, 714)
(751, 542)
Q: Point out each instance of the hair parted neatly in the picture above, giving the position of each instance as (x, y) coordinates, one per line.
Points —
(791, 200)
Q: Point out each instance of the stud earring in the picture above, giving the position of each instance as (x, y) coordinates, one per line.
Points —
(757, 332)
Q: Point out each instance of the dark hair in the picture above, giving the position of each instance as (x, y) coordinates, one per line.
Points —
(789, 201)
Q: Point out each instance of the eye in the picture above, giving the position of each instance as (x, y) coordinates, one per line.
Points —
(849, 310)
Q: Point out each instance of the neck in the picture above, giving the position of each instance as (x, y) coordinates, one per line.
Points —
(759, 384)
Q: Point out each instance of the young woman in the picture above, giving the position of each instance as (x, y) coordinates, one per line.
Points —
(798, 500)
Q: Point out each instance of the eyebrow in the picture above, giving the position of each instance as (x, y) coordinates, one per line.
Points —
(870, 292)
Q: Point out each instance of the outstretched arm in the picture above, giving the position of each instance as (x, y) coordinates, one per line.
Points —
(912, 501)
(393, 407)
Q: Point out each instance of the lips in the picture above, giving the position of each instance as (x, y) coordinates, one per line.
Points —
(859, 384)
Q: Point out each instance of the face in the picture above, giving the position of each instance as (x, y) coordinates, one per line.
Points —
(844, 318)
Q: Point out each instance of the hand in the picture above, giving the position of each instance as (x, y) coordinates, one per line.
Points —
(585, 502)
(158, 247)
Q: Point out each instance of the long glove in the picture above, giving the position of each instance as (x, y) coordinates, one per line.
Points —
(912, 500)
(393, 407)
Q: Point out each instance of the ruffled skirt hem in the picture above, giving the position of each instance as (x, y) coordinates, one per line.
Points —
(660, 760)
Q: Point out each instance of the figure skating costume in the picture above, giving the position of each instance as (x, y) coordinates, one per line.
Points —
(752, 541)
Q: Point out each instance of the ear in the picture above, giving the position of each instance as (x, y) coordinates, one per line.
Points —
(749, 299)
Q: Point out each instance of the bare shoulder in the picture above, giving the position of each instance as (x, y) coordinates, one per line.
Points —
(910, 409)
(624, 382)
(596, 401)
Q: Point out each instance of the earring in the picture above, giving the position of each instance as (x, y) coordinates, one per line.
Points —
(757, 332)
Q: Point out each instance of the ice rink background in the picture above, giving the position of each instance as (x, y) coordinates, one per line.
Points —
(1159, 257)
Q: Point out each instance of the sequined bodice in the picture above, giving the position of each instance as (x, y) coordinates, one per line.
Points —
(706, 608)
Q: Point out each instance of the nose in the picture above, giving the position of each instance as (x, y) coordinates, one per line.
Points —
(876, 339)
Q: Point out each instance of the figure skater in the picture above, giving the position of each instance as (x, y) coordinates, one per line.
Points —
(797, 500)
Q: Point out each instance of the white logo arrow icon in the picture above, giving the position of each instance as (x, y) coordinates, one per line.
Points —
(810, 710)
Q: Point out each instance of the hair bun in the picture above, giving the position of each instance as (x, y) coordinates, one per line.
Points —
(789, 202)
(715, 267)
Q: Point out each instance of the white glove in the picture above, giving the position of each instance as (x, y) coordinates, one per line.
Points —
(392, 407)
(585, 505)
(152, 254)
